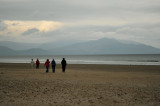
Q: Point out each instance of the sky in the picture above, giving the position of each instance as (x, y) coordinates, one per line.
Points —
(41, 21)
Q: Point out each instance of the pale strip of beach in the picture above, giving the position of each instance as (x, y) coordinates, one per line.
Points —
(80, 85)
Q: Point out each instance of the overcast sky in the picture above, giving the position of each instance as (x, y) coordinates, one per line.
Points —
(41, 21)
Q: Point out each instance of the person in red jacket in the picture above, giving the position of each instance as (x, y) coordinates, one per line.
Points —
(47, 65)
(37, 64)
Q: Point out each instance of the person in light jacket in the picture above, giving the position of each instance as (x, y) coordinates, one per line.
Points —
(32, 63)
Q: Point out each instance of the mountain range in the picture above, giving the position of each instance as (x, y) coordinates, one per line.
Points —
(93, 47)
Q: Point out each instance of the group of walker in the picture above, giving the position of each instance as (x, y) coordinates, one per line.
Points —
(47, 64)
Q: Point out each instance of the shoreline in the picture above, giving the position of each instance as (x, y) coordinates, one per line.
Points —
(99, 67)
(137, 63)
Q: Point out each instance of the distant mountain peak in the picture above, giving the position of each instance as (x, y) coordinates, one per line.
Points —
(107, 46)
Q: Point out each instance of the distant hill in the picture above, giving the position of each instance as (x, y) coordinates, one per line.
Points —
(6, 51)
(26, 46)
(101, 46)
(33, 51)
(56, 44)
(18, 46)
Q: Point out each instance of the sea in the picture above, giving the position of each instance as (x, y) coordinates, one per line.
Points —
(136, 59)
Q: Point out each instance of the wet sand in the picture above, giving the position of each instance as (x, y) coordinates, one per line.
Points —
(83, 85)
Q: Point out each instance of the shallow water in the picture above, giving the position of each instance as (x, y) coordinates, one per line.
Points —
(147, 59)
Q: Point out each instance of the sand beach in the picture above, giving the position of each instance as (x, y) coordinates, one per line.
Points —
(80, 85)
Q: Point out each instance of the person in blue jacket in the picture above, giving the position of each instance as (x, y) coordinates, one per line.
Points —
(53, 65)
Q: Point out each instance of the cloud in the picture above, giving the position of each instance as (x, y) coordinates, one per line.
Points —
(68, 10)
(42, 26)
(16, 28)
(143, 33)
(81, 20)
(3, 26)
(30, 31)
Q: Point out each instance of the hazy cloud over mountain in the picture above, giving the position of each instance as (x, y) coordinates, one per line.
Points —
(79, 20)
(30, 31)
(2, 26)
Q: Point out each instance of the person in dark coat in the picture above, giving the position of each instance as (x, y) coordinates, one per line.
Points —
(53, 65)
(47, 65)
(37, 64)
(64, 63)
